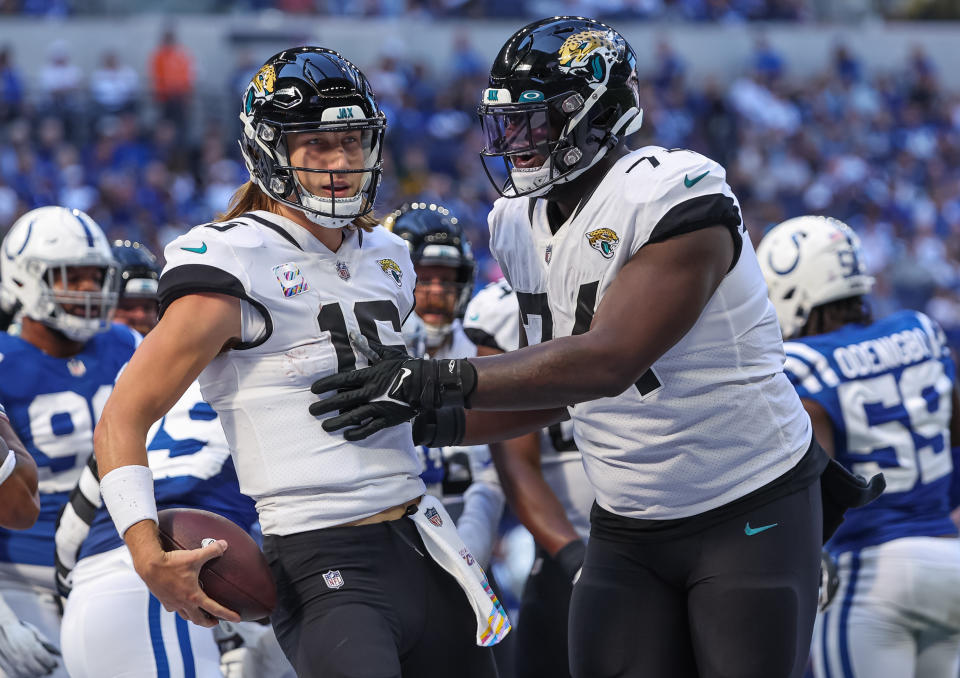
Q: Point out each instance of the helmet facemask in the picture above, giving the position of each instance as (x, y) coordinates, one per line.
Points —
(455, 292)
(564, 90)
(567, 133)
(284, 186)
(78, 315)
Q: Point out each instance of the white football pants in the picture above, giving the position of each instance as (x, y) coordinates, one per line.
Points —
(896, 614)
(113, 628)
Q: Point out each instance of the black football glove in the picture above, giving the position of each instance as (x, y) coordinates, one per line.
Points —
(391, 392)
(570, 559)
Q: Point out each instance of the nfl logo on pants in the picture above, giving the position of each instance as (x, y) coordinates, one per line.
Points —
(333, 579)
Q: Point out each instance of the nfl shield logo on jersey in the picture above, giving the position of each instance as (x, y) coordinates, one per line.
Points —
(548, 254)
(603, 240)
(332, 579)
(433, 516)
(76, 367)
(343, 271)
(291, 279)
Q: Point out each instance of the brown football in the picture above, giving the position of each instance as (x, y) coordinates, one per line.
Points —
(240, 579)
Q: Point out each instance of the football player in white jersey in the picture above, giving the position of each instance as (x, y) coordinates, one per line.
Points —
(298, 280)
(882, 394)
(647, 316)
(463, 476)
(543, 477)
(54, 379)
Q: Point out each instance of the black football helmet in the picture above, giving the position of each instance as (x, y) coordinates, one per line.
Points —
(139, 269)
(310, 89)
(563, 91)
(435, 238)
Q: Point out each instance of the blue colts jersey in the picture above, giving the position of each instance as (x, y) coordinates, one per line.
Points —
(53, 405)
(887, 388)
(192, 468)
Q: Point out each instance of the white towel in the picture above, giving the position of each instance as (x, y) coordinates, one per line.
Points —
(448, 550)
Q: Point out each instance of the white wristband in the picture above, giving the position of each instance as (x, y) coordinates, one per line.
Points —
(127, 492)
(10, 463)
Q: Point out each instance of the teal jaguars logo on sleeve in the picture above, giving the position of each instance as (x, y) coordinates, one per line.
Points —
(390, 268)
(291, 279)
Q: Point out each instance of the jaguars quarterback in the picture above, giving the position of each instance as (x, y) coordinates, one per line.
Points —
(882, 395)
(649, 326)
(296, 280)
(55, 377)
(191, 467)
(463, 476)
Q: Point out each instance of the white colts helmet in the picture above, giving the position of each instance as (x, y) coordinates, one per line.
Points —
(809, 261)
(37, 253)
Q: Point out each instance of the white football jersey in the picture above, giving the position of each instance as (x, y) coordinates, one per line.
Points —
(308, 300)
(493, 319)
(715, 417)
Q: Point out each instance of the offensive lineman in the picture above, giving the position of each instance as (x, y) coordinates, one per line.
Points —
(646, 314)
(283, 288)
(54, 380)
(882, 394)
(543, 478)
(112, 626)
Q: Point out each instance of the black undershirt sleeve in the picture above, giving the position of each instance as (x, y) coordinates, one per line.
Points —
(199, 278)
(703, 211)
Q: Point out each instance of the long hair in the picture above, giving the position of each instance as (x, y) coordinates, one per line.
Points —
(835, 314)
(250, 198)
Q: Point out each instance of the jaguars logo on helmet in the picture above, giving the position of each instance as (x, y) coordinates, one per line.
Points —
(261, 87)
(590, 54)
(603, 240)
(563, 91)
(390, 267)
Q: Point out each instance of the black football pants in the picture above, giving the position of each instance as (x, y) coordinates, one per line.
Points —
(541, 634)
(389, 612)
(735, 600)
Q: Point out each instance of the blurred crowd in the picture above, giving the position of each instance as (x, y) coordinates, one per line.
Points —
(136, 147)
(662, 10)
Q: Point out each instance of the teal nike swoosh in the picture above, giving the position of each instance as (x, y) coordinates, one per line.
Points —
(196, 250)
(689, 183)
(750, 531)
